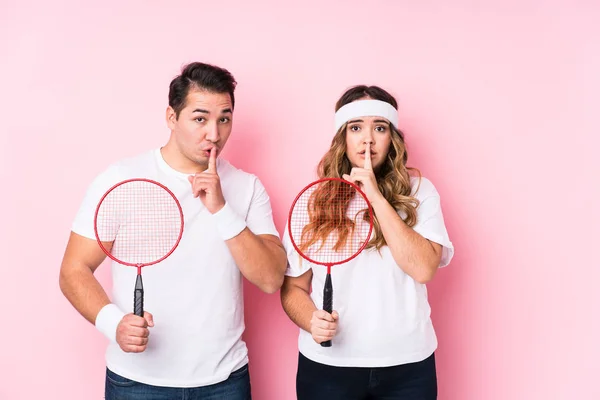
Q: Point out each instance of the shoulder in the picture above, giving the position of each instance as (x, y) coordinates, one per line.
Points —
(127, 168)
(137, 164)
(422, 187)
(233, 174)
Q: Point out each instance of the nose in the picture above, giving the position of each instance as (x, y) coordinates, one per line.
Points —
(212, 133)
(368, 137)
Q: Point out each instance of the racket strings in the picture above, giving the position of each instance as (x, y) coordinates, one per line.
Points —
(330, 222)
(141, 219)
(326, 205)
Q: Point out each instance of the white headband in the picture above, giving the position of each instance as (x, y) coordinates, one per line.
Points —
(366, 108)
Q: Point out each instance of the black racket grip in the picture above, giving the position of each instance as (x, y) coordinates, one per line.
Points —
(138, 297)
(327, 302)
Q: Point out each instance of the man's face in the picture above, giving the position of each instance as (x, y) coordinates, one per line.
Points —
(205, 122)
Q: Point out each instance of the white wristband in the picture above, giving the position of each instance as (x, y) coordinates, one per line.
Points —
(107, 321)
(229, 223)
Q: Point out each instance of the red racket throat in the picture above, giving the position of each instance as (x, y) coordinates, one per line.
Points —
(138, 222)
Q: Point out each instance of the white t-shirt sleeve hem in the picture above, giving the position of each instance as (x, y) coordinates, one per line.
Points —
(83, 223)
(447, 247)
(260, 216)
(297, 265)
(296, 272)
(430, 220)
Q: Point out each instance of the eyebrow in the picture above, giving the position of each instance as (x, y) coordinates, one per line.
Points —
(200, 110)
(381, 121)
(377, 121)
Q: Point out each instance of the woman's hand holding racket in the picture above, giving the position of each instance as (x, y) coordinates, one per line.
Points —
(323, 325)
(207, 185)
(365, 178)
(132, 332)
(330, 223)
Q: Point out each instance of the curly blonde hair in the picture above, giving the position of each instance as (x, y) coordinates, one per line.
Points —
(393, 176)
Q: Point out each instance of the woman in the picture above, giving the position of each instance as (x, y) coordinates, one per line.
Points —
(383, 339)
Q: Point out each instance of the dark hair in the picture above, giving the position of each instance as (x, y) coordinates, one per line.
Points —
(200, 76)
(360, 91)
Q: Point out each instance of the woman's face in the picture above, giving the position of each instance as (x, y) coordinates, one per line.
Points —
(364, 132)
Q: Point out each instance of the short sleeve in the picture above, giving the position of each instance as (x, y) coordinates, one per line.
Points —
(430, 220)
(296, 264)
(84, 219)
(260, 216)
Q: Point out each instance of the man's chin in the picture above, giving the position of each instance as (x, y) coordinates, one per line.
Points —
(199, 160)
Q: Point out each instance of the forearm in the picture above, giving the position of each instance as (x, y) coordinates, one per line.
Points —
(298, 305)
(84, 292)
(414, 254)
(260, 260)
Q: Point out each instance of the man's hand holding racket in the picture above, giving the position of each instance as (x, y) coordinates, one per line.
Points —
(207, 185)
(138, 222)
(132, 332)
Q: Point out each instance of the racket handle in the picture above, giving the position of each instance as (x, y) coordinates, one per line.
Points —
(138, 297)
(327, 302)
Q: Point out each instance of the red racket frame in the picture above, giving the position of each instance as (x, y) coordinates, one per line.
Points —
(138, 301)
(138, 265)
(329, 265)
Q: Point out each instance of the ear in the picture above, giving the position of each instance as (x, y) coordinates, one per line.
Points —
(171, 117)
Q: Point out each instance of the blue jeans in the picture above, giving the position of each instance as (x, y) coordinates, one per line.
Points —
(414, 381)
(236, 387)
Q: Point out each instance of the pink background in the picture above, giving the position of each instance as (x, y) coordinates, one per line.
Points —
(497, 101)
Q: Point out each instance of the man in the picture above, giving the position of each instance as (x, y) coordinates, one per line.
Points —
(190, 340)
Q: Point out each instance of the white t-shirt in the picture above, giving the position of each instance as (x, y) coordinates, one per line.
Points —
(384, 313)
(195, 295)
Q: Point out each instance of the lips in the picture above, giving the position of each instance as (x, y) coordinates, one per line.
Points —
(208, 148)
